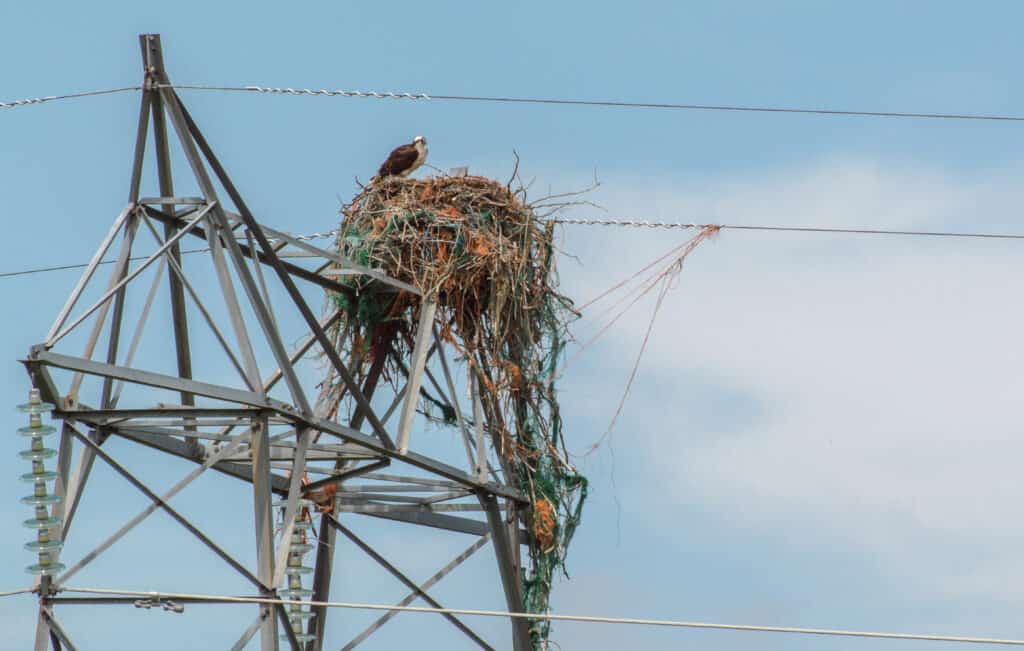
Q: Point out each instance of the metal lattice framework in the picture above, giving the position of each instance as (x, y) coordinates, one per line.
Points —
(238, 427)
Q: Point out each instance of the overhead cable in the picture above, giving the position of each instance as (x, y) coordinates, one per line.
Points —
(635, 223)
(500, 99)
(11, 593)
(224, 599)
(52, 98)
(601, 103)
(83, 265)
(639, 224)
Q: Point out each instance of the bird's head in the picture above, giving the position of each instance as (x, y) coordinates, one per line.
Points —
(419, 140)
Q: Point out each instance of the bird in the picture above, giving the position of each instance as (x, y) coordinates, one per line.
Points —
(404, 160)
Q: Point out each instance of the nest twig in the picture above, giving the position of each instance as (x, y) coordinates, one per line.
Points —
(477, 249)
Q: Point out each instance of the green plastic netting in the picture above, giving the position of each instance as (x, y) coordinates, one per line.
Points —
(478, 251)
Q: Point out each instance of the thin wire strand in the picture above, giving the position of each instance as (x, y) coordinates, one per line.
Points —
(666, 278)
(554, 617)
(26, 272)
(11, 593)
(54, 98)
(640, 224)
(535, 100)
(603, 103)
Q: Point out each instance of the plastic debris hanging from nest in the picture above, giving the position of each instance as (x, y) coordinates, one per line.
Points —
(479, 251)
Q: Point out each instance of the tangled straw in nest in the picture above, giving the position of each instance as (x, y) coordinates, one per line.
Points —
(477, 249)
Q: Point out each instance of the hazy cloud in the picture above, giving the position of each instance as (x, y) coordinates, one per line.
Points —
(886, 372)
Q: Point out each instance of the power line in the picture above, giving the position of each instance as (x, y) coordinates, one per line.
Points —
(53, 98)
(323, 92)
(27, 272)
(604, 103)
(11, 593)
(633, 223)
(157, 596)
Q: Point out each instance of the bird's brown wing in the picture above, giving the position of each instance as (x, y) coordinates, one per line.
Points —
(400, 160)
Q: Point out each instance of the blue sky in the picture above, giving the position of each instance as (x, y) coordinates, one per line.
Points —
(824, 430)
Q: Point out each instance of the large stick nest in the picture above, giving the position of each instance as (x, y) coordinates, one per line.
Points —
(467, 242)
(479, 251)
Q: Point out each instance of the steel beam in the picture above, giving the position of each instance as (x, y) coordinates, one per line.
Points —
(119, 286)
(426, 585)
(249, 632)
(179, 273)
(460, 421)
(293, 269)
(372, 444)
(343, 262)
(188, 137)
(181, 449)
(43, 633)
(120, 268)
(435, 520)
(346, 475)
(424, 332)
(148, 492)
(511, 580)
(57, 630)
(324, 567)
(478, 427)
(292, 503)
(179, 314)
(139, 328)
(286, 280)
(90, 269)
(149, 510)
(120, 414)
(406, 581)
(264, 528)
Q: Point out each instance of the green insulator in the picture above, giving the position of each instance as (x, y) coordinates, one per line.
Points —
(37, 430)
(36, 408)
(40, 500)
(303, 524)
(301, 637)
(299, 614)
(300, 548)
(44, 545)
(37, 451)
(41, 523)
(297, 594)
(37, 476)
(45, 569)
(298, 569)
(46, 566)
(39, 472)
(35, 454)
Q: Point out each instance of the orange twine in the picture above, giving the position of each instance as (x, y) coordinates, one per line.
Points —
(544, 523)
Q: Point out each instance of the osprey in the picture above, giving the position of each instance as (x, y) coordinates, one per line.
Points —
(404, 160)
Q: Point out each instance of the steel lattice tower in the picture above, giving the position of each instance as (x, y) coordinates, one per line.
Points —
(238, 428)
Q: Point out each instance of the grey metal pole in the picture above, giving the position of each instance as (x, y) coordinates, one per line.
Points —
(264, 526)
(510, 577)
(153, 58)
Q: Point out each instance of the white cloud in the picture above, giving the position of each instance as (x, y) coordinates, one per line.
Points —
(889, 371)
